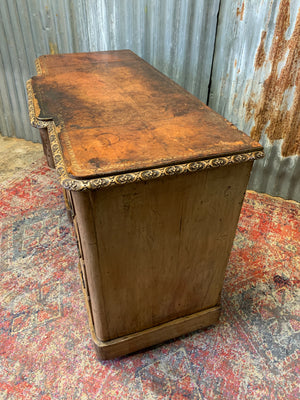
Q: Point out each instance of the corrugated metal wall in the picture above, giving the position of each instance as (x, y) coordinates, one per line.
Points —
(226, 57)
(256, 85)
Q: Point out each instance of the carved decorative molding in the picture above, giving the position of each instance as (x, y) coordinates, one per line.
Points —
(33, 120)
(38, 67)
(70, 183)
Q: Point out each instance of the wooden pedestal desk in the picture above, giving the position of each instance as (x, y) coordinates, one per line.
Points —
(155, 182)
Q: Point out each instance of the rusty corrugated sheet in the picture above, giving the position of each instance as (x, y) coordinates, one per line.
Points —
(177, 37)
(256, 85)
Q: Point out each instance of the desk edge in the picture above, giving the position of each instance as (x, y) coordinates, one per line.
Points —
(70, 183)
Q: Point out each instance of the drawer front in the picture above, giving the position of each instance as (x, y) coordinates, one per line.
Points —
(78, 241)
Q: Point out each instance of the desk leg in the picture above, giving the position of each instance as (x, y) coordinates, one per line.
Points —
(47, 147)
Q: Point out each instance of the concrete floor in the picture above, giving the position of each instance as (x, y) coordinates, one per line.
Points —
(16, 154)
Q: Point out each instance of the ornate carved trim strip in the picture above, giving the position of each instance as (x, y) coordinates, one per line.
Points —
(38, 66)
(33, 120)
(91, 184)
(145, 175)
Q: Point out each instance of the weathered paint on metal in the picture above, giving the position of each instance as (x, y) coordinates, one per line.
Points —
(257, 87)
(278, 109)
(176, 37)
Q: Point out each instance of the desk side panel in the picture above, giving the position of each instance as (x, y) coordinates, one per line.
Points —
(156, 251)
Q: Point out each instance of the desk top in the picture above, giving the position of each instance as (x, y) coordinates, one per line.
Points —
(114, 114)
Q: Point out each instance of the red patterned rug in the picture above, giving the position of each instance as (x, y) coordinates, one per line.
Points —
(46, 351)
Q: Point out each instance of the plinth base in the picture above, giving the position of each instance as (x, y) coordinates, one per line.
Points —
(124, 345)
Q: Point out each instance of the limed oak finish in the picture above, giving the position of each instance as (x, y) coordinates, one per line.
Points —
(154, 181)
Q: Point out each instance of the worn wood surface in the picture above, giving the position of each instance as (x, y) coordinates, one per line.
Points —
(109, 349)
(115, 113)
(157, 334)
(161, 32)
(157, 251)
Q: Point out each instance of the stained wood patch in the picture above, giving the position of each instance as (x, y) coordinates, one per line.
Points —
(114, 113)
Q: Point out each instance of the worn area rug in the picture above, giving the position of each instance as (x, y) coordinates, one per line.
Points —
(46, 351)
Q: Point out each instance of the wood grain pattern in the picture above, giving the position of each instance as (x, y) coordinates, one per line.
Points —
(115, 113)
(157, 334)
(157, 251)
(148, 337)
